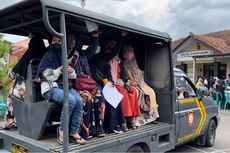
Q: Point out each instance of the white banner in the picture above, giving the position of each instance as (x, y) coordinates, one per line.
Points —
(187, 56)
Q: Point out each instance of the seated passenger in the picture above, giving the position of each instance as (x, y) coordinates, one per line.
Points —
(135, 76)
(180, 93)
(50, 69)
(129, 103)
(95, 108)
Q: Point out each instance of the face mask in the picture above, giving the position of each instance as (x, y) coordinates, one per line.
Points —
(56, 46)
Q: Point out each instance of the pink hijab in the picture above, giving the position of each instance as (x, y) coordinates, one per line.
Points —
(115, 68)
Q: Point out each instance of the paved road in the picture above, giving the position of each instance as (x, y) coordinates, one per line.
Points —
(222, 144)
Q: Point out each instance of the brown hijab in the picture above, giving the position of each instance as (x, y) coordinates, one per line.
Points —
(130, 65)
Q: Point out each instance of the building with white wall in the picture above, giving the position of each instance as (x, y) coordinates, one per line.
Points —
(203, 55)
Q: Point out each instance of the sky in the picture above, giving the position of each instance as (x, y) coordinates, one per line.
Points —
(176, 17)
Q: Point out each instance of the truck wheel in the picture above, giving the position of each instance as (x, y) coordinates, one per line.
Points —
(135, 149)
(211, 134)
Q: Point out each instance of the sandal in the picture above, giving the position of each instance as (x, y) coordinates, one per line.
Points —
(76, 140)
(124, 127)
(134, 126)
(59, 139)
(11, 126)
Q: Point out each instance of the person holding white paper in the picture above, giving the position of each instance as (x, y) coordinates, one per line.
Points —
(114, 120)
(112, 95)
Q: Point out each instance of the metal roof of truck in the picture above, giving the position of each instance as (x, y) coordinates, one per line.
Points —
(29, 12)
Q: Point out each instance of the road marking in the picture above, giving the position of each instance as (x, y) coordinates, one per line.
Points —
(222, 151)
(195, 148)
(213, 149)
(224, 118)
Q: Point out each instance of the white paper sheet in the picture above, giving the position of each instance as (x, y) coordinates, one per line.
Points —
(91, 26)
(112, 95)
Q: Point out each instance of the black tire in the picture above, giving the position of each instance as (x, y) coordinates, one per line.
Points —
(211, 134)
(135, 149)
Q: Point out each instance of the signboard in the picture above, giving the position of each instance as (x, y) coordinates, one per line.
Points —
(187, 56)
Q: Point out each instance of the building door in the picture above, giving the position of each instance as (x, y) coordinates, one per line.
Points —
(223, 71)
(216, 70)
(208, 70)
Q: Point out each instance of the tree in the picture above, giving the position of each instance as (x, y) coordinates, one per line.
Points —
(4, 50)
(4, 47)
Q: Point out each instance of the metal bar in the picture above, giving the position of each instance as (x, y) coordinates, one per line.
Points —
(24, 24)
(66, 84)
(18, 14)
(62, 35)
(45, 13)
(98, 20)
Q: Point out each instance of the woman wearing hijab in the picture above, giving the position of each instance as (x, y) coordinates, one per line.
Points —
(36, 49)
(114, 120)
(129, 102)
(50, 69)
(200, 86)
(94, 104)
(199, 83)
(135, 77)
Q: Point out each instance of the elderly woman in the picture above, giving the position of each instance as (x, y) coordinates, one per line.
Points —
(135, 76)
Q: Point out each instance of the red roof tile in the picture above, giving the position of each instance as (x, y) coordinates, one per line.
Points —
(219, 40)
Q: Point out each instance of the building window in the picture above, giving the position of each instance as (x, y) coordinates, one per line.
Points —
(208, 70)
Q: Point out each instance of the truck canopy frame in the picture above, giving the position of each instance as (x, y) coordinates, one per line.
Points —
(14, 17)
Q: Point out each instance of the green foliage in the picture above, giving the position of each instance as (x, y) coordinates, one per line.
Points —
(5, 79)
(4, 50)
(4, 47)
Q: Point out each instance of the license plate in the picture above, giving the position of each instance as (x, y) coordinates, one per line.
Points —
(16, 148)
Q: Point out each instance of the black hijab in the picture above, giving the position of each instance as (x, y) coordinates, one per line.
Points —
(52, 59)
(36, 49)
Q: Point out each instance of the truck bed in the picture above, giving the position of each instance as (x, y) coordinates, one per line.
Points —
(95, 144)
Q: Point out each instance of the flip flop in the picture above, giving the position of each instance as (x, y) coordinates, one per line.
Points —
(124, 128)
(59, 139)
(79, 140)
(11, 126)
